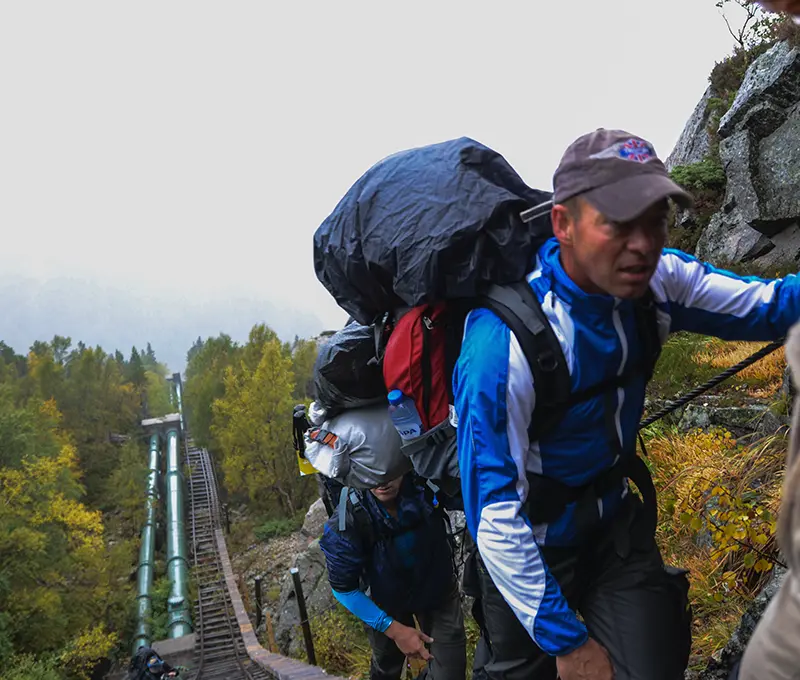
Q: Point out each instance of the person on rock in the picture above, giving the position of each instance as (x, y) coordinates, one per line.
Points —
(571, 582)
(147, 664)
(395, 544)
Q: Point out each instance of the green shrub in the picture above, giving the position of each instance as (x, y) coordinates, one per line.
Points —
(707, 174)
(274, 528)
(706, 182)
(160, 616)
(341, 643)
(28, 667)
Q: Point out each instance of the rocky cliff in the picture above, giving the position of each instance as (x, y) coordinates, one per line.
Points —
(757, 144)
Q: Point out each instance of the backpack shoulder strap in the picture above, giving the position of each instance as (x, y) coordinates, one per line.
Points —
(645, 313)
(518, 307)
(362, 523)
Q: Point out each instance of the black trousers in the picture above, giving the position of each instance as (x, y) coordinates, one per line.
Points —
(631, 603)
(445, 624)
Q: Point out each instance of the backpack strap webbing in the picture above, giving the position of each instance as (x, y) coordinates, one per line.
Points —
(361, 519)
(518, 307)
(323, 437)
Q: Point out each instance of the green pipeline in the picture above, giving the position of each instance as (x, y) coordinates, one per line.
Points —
(143, 634)
(179, 617)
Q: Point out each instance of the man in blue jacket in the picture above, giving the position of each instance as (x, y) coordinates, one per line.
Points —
(395, 543)
(557, 530)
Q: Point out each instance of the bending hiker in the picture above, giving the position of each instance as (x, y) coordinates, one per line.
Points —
(546, 494)
(395, 543)
(146, 664)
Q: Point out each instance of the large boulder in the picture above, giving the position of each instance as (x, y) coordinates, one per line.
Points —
(772, 78)
(315, 519)
(694, 143)
(760, 152)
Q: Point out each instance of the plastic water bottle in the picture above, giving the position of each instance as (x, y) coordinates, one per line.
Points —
(404, 415)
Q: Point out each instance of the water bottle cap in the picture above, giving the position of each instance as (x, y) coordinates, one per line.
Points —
(395, 397)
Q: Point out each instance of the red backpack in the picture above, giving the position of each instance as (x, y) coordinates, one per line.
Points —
(424, 343)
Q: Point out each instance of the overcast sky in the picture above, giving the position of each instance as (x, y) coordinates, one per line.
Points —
(193, 148)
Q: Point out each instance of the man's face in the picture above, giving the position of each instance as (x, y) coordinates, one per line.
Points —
(386, 493)
(602, 256)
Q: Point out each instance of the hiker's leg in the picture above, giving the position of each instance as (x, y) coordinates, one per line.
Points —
(773, 652)
(445, 625)
(636, 608)
(482, 654)
(513, 655)
(387, 660)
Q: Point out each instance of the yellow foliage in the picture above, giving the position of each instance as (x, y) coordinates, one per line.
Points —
(53, 548)
(768, 372)
(49, 408)
(717, 504)
(82, 653)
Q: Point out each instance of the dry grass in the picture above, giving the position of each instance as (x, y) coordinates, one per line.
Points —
(766, 374)
(717, 504)
(688, 360)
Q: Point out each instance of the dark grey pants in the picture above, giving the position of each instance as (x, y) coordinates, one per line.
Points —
(445, 624)
(631, 603)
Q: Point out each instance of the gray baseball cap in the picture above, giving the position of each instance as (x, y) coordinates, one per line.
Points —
(617, 172)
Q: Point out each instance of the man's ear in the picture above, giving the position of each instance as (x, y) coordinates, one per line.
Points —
(563, 224)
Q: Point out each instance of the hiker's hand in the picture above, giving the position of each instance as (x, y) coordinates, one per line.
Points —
(790, 6)
(589, 662)
(410, 641)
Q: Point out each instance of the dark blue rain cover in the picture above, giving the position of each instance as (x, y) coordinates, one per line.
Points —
(428, 224)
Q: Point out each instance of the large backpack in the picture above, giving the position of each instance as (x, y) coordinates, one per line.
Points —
(422, 238)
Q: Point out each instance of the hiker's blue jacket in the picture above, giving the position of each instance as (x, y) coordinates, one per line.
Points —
(407, 563)
(495, 396)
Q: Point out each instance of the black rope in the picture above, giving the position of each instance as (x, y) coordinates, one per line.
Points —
(697, 391)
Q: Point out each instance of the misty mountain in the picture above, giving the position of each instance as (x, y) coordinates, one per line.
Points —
(33, 310)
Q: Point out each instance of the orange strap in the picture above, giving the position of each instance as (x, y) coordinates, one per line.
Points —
(323, 437)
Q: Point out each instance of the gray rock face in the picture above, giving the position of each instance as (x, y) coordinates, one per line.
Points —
(778, 179)
(736, 155)
(737, 419)
(772, 77)
(760, 152)
(729, 238)
(315, 519)
(694, 143)
(318, 596)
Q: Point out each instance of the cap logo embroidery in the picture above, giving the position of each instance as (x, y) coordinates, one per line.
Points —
(635, 150)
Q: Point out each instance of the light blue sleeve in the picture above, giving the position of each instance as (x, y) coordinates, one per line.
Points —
(365, 609)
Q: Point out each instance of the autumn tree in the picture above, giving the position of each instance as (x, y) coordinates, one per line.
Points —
(252, 423)
(304, 354)
(205, 376)
(54, 577)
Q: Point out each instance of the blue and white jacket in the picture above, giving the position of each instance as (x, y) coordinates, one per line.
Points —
(495, 397)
